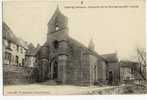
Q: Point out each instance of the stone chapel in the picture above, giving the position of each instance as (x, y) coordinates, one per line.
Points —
(66, 61)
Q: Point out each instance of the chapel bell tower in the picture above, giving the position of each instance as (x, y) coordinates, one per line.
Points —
(57, 38)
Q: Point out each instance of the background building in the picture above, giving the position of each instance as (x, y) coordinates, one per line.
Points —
(14, 49)
(130, 71)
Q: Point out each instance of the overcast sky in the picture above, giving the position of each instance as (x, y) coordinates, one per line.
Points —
(113, 30)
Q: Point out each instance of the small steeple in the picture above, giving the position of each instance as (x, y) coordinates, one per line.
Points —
(91, 45)
(57, 22)
(55, 15)
(57, 9)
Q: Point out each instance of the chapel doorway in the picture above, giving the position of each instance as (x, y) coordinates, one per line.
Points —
(55, 70)
(110, 77)
(95, 74)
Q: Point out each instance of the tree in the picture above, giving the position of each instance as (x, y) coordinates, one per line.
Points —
(141, 57)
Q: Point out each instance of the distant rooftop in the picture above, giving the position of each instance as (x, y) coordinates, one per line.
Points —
(110, 57)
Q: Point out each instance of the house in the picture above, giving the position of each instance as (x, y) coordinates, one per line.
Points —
(14, 48)
(130, 70)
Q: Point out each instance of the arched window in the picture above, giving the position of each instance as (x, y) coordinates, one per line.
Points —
(56, 44)
(57, 28)
(16, 60)
(56, 25)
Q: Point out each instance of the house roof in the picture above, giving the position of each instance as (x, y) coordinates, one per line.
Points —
(31, 46)
(127, 64)
(10, 36)
(87, 50)
(32, 51)
(110, 57)
(22, 43)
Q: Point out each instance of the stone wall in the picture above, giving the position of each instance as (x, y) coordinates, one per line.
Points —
(102, 71)
(85, 69)
(73, 66)
(77, 69)
(114, 68)
(18, 75)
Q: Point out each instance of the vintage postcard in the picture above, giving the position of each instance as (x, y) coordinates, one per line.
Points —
(93, 47)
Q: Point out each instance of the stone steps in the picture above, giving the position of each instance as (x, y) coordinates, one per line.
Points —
(49, 82)
(17, 75)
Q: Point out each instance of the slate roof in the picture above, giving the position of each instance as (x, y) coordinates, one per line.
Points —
(73, 42)
(32, 51)
(110, 57)
(10, 36)
(22, 43)
(127, 63)
(31, 46)
(56, 14)
(87, 50)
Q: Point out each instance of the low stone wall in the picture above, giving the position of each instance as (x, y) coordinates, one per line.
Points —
(126, 89)
(17, 75)
(107, 91)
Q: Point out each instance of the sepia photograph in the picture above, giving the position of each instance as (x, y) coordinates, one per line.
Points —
(74, 47)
